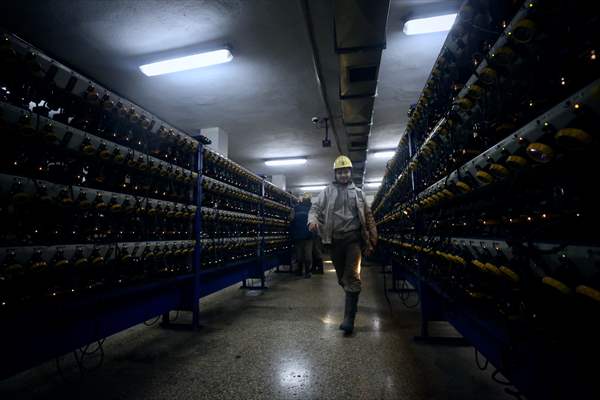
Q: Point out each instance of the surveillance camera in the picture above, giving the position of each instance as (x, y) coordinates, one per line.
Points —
(315, 120)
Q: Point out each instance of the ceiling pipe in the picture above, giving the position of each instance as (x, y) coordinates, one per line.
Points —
(317, 67)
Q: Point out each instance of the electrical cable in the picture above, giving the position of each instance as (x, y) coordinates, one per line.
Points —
(481, 367)
(99, 344)
(385, 291)
(498, 380)
(154, 321)
(514, 393)
(404, 295)
(61, 372)
(84, 354)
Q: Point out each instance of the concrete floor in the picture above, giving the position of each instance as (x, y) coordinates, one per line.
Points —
(280, 344)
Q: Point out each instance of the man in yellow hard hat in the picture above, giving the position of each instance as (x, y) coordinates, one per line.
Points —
(343, 218)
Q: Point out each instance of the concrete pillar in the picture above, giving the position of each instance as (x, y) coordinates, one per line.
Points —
(279, 181)
(219, 139)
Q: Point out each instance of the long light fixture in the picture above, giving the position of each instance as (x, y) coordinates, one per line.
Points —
(440, 23)
(285, 161)
(315, 188)
(188, 62)
(372, 185)
(384, 154)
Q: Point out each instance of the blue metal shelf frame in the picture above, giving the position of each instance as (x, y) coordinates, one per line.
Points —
(536, 368)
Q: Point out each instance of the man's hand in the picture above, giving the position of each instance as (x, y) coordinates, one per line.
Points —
(313, 227)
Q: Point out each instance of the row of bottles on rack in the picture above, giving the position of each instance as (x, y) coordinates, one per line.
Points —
(490, 196)
(95, 192)
(224, 170)
(534, 283)
(278, 195)
(31, 274)
(216, 194)
(227, 224)
(535, 182)
(30, 80)
(277, 244)
(239, 211)
(516, 77)
(37, 212)
(39, 148)
(219, 252)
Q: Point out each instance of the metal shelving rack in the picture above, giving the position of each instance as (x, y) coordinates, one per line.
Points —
(58, 323)
(469, 212)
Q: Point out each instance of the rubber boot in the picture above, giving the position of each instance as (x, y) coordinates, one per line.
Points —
(350, 312)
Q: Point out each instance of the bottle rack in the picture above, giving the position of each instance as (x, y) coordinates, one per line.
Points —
(487, 206)
(111, 216)
(239, 210)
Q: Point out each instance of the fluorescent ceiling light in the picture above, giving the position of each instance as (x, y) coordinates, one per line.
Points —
(384, 154)
(285, 161)
(187, 62)
(372, 185)
(440, 23)
(312, 188)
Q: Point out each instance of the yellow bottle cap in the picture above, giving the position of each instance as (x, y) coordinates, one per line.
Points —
(89, 149)
(516, 161)
(588, 292)
(484, 177)
(488, 75)
(523, 31)
(573, 138)
(475, 91)
(509, 273)
(504, 56)
(556, 284)
(81, 261)
(478, 264)
(499, 170)
(540, 152)
(463, 187)
(465, 104)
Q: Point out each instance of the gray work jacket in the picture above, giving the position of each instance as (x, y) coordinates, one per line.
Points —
(321, 212)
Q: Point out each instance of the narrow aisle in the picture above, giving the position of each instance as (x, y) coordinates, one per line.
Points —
(281, 344)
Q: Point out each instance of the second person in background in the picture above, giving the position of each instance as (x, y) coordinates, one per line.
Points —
(302, 237)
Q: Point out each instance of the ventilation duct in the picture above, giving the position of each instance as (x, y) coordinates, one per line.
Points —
(357, 110)
(360, 37)
(358, 73)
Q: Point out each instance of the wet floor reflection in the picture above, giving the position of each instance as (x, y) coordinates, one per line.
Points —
(294, 375)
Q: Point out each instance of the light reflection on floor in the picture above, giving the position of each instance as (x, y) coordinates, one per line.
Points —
(329, 319)
(294, 375)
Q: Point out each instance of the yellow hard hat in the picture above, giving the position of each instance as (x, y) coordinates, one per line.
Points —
(342, 162)
(306, 195)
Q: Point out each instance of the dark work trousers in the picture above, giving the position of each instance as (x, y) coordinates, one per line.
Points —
(317, 254)
(346, 258)
(304, 249)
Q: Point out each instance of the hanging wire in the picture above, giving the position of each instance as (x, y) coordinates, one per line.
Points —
(153, 321)
(404, 295)
(479, 365)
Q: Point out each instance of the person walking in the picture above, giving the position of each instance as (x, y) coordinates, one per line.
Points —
(345, 221)
(302, 237)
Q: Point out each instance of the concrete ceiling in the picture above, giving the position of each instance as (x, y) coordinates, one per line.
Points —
(265, 98)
